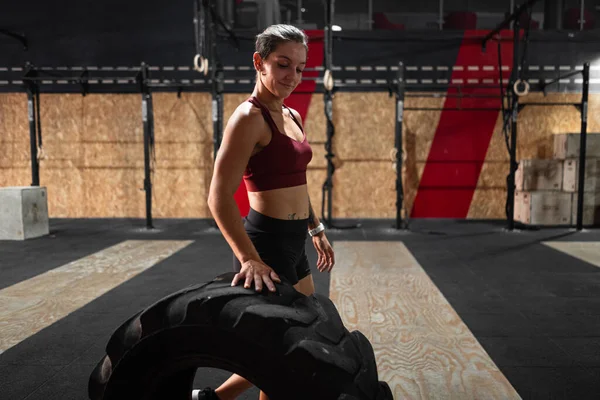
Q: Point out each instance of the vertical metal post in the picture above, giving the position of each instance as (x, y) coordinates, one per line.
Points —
(217, 82)
(583, 145)
(513, 130)
(32, 106)
(327, 190)
(328, 185)
(553, 14)
(581, 14)
(398, 144)
(299, 12)
(217, 108)
(148, 121)
(512, 9)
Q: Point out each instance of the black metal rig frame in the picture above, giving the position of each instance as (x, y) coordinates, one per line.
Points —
(207, 20)
(33, 77)
(514, 107)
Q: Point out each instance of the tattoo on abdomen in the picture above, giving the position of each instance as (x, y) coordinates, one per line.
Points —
(292, 216)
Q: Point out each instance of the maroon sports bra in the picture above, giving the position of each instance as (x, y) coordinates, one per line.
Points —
(280, 164)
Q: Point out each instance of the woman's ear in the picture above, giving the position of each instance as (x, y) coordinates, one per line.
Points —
(258, 63)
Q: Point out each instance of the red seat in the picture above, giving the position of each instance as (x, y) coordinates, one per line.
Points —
(460, 20)
(381, 21)
(571, 19)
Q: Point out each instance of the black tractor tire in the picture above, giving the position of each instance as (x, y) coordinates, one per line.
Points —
(291, 346)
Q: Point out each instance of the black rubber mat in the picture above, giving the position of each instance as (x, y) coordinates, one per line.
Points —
(535, 310)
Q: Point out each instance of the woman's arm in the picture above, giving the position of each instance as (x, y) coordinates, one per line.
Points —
(313, 220)
(326, 256)
(239, 140)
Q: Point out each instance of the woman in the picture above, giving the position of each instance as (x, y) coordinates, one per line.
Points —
(264, 142)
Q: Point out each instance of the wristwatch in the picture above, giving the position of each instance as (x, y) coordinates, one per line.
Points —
(320, 228)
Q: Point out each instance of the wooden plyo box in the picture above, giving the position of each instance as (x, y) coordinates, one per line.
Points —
(591, 209)
(535, 175)
(571, 175)
(566, 145)
(543, 208)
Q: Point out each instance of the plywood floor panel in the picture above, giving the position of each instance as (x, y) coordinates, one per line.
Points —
(423, 349)
(31, 305)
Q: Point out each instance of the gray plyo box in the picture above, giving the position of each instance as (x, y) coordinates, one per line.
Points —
(591, 177)
(591, 208)
(23, 212)
(543, 207)
(535, 175)
(566, 145)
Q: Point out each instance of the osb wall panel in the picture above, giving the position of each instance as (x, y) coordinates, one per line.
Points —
(365, 189)
(15, 164)
(315, 179)
(364, 126)
(184, 154)
(418, 131)
(94, 152)
(94, 162)
(315, 123)
(62, 168)
(365, 178)
(112, 156)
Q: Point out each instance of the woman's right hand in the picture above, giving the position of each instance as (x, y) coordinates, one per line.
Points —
(258, 272)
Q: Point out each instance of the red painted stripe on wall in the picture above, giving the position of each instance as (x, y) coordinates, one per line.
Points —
(462, 138)
(299, 100)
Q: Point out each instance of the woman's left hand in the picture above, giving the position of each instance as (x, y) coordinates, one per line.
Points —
(326, 258)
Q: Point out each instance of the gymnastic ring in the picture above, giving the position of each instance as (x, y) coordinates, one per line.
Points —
(328, 80)
(199, 63)
(196, 66)
(41, 154)
(393, 154)
(525, 90)
(205, 66)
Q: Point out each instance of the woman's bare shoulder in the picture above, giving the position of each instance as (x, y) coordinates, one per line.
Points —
(248, 115)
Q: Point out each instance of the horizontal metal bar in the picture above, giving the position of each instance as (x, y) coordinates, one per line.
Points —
(178, 85)
(77, 78)
(545, 85)
(458, 96)
(549, 104)
(451, 109)
(455, 85)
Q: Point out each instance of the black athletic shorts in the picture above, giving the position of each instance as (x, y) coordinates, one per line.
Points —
(280, 244)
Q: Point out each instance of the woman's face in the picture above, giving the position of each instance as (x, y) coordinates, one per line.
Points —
(281, 71)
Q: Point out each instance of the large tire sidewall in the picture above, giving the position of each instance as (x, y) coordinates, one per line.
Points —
(155, 360)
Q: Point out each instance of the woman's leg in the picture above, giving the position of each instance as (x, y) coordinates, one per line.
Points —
(306, 286)
(233, 387)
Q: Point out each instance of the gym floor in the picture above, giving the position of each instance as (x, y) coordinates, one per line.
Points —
(454, 309)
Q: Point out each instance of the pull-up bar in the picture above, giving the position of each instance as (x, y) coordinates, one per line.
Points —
(32, 78)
